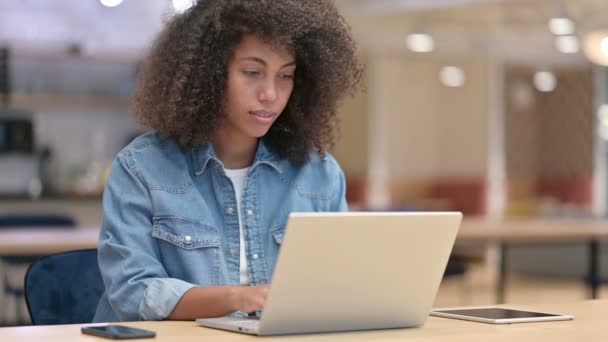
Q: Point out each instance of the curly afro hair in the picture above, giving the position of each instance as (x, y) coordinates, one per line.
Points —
(181, 86)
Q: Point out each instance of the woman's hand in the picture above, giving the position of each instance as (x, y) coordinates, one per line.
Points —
(217, 301)
(250, 298)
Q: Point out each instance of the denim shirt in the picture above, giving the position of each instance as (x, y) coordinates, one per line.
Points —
(170, 222)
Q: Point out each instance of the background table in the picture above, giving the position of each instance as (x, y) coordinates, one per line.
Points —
(538, 231)
(40, 241)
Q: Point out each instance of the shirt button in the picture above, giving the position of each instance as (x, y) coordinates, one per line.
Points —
(249, 212)
(255, 256)
(188, 238)
(229, 210)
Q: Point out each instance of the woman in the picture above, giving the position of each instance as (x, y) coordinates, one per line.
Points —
(241, 97)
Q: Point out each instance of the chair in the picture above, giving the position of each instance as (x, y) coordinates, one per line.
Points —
(36, 221)
(454, 267)
(64, 288)
(459, 266)
(20, 262)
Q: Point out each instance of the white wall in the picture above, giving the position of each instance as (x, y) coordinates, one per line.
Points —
(428, 129)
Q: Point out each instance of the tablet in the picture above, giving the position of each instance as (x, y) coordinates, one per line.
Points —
(499, 315)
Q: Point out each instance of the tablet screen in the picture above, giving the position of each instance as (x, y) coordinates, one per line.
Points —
(497, 313)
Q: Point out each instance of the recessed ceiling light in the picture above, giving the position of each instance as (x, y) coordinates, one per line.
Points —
(420, 42)
(561, 26)
(181, 6)
(545, 81)
(452, 76)
(596, 47)
(604, 46)
(111, 3)
(567, 44)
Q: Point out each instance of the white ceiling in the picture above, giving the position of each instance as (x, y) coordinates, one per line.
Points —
(512, 30)
(49, 27)
(366, 7)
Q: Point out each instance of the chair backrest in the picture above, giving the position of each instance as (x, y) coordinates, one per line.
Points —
(36, 220)
(64, 288)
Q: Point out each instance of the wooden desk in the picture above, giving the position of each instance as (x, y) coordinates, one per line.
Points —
(537, 231)
(589, 325)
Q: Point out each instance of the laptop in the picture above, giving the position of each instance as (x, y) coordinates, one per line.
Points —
(353, 271)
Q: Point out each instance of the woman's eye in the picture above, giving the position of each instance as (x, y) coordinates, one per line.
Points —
(252, 73)
(287, 76)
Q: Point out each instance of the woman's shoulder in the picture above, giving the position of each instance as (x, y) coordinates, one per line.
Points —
(149, 140)
(319, 168)
(324, 161)
(151, 144)
(150, 150)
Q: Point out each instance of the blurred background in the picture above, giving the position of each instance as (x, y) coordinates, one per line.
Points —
(498, 109)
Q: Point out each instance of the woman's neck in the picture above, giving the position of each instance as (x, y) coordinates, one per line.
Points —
(235, 152)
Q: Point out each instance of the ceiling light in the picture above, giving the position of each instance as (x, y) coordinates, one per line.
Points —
(545, 81)
(604, 46)
(452, 76)
(561, 26)
(181, 6)
(596, 47)
(420, 42)
(567, 44)
(110, 3)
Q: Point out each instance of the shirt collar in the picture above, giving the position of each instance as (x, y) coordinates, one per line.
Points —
(203, 154)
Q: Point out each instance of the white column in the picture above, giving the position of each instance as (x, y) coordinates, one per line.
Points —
(378, 170)
(599, 169)
(496, 168)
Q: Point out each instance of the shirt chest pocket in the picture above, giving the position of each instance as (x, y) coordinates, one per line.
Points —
(190, 250)
(184, 233)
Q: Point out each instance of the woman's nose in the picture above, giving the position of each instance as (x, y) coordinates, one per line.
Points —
(268, 92)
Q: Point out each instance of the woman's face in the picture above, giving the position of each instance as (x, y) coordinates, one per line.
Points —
(260, 81)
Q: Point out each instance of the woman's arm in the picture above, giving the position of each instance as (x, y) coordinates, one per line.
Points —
(215, 301)
(137, 284)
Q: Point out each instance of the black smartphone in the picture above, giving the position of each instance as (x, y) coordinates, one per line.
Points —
(118, 332)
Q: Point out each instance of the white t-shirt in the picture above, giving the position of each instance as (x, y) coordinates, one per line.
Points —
(238, 177)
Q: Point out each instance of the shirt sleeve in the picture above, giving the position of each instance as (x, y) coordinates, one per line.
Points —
(136, 282)
(160, 298)
(339, 199)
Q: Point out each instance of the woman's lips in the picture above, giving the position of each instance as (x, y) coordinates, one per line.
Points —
(263, 117)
